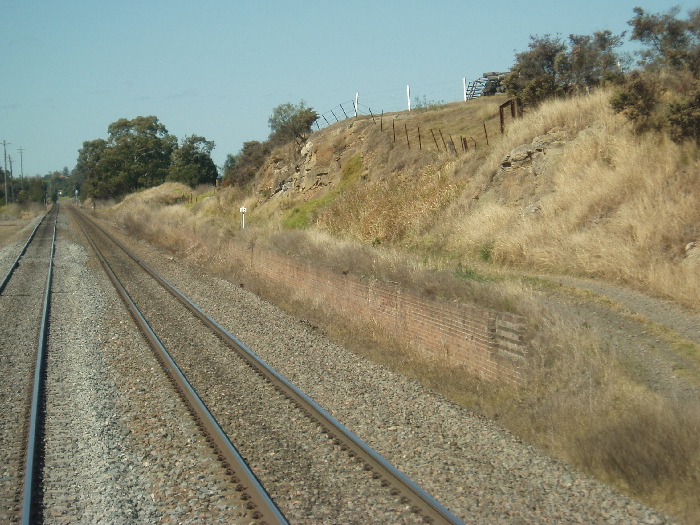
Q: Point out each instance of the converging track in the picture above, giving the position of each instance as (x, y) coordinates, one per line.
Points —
(318, 435)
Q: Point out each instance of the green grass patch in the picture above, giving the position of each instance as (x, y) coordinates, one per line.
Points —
(300, 217)
(469, 274)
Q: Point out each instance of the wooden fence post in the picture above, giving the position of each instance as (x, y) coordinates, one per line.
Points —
(443, 140)
(436, 144)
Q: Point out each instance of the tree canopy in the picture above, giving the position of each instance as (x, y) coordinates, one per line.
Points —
(140, 153)
(192, 163)
(290, 122)
(556, 67)
(665, 92)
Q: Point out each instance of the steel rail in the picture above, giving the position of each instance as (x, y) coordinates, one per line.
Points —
(36, 413)
(401, 486)
(14, 266)
(258, 500)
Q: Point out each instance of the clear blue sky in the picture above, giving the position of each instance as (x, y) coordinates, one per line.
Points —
(217, 68)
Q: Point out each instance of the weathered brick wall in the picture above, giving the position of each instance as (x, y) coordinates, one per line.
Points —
(487, 342)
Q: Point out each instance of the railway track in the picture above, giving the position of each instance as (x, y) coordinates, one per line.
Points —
(45, 398)
(24, 295)
(311, 464)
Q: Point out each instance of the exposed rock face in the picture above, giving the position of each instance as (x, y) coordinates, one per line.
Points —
(316, 166)
(523, 172)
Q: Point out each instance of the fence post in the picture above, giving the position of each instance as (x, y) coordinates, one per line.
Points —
(443, 140)
(381, 121)
(486, 134)
(393, 128)
(453, 144)
(405, 127)
(436, 143)
(420, 144)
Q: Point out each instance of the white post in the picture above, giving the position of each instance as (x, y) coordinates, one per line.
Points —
(408, 96)
(357, 96)
(243, 210)
(464, 88)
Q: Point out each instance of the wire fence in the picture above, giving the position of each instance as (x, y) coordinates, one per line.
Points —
(395, 100)
(413, 137)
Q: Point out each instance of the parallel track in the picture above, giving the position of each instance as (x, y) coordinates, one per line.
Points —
(23, 377)
(395, 483)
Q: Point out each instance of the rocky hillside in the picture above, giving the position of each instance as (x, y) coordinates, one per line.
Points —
(567, 189)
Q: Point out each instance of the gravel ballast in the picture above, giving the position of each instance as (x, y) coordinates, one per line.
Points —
(482, 473)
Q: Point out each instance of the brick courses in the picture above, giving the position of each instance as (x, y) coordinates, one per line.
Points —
(486, 342)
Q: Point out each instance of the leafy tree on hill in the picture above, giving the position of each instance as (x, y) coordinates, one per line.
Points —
(665, 92)
(554, 67)
(290, 122)
(241, 168)
(192, 163)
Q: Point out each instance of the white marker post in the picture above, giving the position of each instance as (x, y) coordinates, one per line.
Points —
(408, 96)
(243, 210)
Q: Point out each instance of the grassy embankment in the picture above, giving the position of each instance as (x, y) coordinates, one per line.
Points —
(609, 205)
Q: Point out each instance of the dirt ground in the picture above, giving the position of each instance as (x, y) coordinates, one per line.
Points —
(9, 226)
(660, 335)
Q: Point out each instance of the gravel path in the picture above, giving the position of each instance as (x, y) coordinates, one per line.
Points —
(656, 334)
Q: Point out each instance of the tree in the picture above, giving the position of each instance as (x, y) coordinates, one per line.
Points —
(139, 151)
(192, 163)
(90, 168)
(540, 72)
(290, 122)
(593, 59)
(242, 168)
(669, 42)
(552, 67)
(665, 93)
(136, 155)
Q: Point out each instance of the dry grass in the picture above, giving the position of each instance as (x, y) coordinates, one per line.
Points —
(621, 207)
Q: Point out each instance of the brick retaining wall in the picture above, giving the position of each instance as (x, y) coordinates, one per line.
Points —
(487, 342)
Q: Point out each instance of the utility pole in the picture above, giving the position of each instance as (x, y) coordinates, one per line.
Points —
(12, 186)
(4, 148)
(21, 163)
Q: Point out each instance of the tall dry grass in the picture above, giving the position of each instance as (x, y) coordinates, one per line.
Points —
(621, 207)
